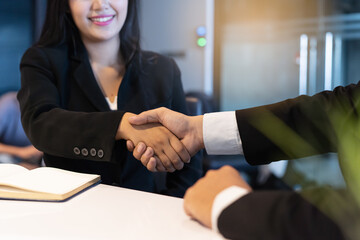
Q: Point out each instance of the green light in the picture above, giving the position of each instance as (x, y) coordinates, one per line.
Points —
(201, 42)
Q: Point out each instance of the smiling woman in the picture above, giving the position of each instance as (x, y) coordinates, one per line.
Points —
(81, 82)
(99, 20)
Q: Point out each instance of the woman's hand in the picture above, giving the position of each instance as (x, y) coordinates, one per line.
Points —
(169, 153)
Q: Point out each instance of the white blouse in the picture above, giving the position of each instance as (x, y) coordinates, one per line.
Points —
(113, 105)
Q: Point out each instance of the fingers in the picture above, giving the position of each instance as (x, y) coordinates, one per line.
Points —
(150, 116)
(145, 158)
(172, 159)
(154, 164)
(180, 150)
(139, 151)
(130, 145)
(151, 166)
(176, 162)
(151, 162)
(166, 162)
(167, 157)
(159, 166)
(170, 151)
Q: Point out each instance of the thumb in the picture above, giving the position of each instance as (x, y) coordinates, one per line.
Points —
(151, 116)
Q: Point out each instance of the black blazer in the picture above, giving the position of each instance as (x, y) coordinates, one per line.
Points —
(287, 215)
(65, 114)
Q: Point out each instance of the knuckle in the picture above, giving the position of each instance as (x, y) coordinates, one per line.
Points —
(150, 168)
(137, 155)
(167, 164)
(176, 160)
(144, 161)
(159, 141)
(150, 151)
(178, 147)
(188, 192)
(179, 165)
(227, 168)
(210, 172)
(162, 168)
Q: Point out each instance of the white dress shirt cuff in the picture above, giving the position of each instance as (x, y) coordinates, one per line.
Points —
(224, 199)
(221, 134)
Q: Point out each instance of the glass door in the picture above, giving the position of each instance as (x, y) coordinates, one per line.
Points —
(268, 51)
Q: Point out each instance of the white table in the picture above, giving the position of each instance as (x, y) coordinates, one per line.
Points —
(102, 212)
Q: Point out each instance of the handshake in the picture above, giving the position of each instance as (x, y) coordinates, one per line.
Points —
(163, 140)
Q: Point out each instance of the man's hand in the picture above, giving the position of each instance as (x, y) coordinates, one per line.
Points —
(170, 153)
(199, 198)
(187, 129)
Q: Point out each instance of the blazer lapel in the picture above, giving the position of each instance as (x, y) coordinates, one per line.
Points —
(84, 76)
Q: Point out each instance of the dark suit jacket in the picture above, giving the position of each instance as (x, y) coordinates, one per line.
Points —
(287, 215)
(65, 114)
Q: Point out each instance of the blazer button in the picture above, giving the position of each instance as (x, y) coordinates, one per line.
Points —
(76, 150)
(84, 152)
(93, 152)
(100, 153)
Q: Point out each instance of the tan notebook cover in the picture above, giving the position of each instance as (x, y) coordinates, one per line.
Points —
(42, 184)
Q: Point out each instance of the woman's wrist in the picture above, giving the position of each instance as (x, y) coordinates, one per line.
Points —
(124, 126)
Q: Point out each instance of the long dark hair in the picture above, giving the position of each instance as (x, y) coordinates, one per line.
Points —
(59, 28)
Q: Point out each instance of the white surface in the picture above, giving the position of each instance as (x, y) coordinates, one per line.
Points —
(102, 212)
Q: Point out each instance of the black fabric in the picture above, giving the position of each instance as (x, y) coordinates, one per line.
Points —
(276, 215)
(63, 108)
(307, 117)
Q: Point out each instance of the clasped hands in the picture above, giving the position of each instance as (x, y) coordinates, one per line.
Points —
(163, 140)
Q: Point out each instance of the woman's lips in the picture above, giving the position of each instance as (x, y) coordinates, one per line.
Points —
(102, 20)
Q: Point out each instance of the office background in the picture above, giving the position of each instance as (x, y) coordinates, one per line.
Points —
(242, 53)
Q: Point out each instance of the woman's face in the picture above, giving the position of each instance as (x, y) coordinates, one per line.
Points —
(99, 20)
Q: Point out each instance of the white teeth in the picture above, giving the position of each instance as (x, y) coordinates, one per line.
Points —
(104, 19)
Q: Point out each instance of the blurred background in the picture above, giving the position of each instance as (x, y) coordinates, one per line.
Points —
(233, 54)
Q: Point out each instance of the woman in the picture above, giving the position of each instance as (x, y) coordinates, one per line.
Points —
(81, 82)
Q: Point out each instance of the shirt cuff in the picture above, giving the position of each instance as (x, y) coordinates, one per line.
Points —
(224, 199)
(221, 134)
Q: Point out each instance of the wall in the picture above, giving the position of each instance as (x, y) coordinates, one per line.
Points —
(16, 35)
(169, 27)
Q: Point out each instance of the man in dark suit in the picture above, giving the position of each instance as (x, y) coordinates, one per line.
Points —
(290, 129)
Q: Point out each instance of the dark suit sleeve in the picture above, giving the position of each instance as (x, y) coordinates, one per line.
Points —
(53, 129)
(179, 181)
(276, 215)
(296, 127)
